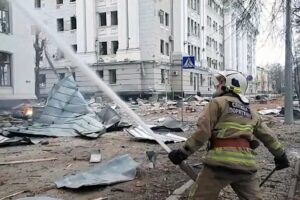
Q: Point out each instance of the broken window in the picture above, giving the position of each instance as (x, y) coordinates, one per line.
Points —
(167, 19)
(161, 16)
(42, 80)
(114, 18)
(167, 49)
(102, 20)
(61, 75)
(74, 47)
(100, 73)
(60, 24)
(4, 17)
(103, 48)
(112, 76)
(73, 23)
(162, 46)
(5, 69)
(37, 3)
(114, 47)
(162, 76)
(59, 1)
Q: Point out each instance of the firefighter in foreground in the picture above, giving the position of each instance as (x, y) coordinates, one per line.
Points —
(231, 127)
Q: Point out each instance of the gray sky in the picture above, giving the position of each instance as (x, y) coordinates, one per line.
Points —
(270, 50)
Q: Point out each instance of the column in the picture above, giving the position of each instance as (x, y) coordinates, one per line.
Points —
(81, 26)
(90, 22)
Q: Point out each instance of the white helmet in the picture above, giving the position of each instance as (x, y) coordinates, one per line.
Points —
(236, 82)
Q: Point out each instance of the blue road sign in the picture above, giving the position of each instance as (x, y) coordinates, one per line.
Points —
(188, 62)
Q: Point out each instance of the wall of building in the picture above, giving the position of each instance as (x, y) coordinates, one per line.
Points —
(20, 45)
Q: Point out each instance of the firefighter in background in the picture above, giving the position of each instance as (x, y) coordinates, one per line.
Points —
(230, 126)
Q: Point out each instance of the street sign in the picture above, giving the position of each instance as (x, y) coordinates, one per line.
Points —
(188, 62)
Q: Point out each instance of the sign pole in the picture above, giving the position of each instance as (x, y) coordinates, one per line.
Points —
(182, 106)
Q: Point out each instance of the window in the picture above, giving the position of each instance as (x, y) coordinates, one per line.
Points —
(201, 79)
(189, 49)
(195, 29)
(198, 30)
(59, 1)
(114, 18)
(72, 0)
(199, 53)
(192, 50)
(61, 75)
(195, 52)
(74, 47)
(42, 80)
(60, 24)
(189, 3)
(74, 75)
(102, 19)
(192, 26)
(210, 3)
(114, 47)
(162, 76)
(73, 23)
(112, 76)
(167, 19)
(191, 78)
(208, 21)
(189, 25)
(59, 54)
(208, 62)
(162, 47)
(221, 47)
(167, 49)
(103, 48)
(161, 16)
(4, 17)
(100, 73)
(37, 3)
(5, 69)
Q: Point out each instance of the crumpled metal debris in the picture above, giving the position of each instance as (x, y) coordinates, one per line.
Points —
(296, 112)
(171, 124)
(141, 134)
(119, 169)
(5, 141)
(39, 198)
(66, 113)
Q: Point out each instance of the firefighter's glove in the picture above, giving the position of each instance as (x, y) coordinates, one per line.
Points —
(177, 156)
(281, 162)
(254, 144)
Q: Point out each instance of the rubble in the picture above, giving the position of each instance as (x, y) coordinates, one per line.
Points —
(38, 198)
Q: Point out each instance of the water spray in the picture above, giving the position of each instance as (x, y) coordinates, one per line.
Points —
(76, 61)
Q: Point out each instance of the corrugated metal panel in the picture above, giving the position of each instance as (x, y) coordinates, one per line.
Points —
(139, 133)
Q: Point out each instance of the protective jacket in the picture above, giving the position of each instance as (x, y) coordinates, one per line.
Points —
(230, 125)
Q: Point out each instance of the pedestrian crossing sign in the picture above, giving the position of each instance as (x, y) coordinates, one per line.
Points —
(188, 62)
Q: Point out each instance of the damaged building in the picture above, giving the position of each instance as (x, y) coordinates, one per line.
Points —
(16, 63)
(137, 47)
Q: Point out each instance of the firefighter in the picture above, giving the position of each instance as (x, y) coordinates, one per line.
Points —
(231, 128)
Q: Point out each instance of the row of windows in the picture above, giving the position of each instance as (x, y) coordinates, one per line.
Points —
(112, 78)
(61, 24)
(164, 18)
(213, 63)
(103, 49)
(113, 17)
(37, 3)
(196, 79)
(164, 48)
(194, 4)
(194, 51)
(210, 42)
(193, 27)
(215, 6)
(214, 24)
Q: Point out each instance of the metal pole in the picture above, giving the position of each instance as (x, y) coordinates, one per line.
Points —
(182, 94)
(288, 103)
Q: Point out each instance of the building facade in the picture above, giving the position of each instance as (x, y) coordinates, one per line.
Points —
(136, 46)
(16, 63)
